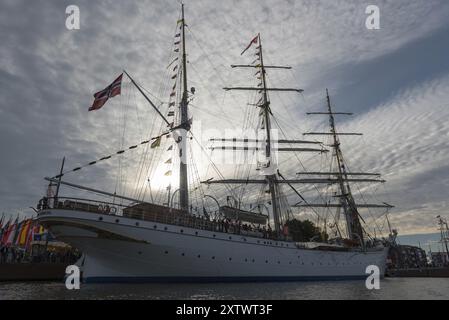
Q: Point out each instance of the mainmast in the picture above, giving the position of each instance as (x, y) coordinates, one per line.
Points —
(184, 127)
(270, 178)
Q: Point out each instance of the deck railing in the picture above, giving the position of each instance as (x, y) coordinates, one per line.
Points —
(156, 213)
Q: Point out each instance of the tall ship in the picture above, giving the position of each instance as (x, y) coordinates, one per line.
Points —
(219, 227)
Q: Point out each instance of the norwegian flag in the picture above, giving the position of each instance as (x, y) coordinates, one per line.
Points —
(115, 88)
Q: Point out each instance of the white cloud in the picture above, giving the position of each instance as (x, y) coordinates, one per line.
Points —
(50, 73)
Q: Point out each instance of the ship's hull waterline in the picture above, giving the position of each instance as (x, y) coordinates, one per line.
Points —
(119, 249)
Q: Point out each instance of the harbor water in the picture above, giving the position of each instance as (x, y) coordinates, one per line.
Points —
(390, 289)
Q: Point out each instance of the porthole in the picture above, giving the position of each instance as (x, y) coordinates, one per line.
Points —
(166, 252)
(230, 259)
(155, 226)
(246, 260)
(253, 260)
(196, 233)
(137, 224)
(101, 218)
(215, 235)
(165, 228)
(183, 254)
(182, 231)
(266, 261)
(213, 258)
(199, 256)
(117, 220)
(230, 238)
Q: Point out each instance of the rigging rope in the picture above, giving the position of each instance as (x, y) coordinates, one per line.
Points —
(120, 152)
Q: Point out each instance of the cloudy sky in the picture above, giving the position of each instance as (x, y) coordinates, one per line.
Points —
(395, 80)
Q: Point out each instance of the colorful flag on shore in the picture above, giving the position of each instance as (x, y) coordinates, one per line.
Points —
(30, 237)
(19, 227)
(12, 230)
(1, 227)
(5, 231)
(24, 233)
(38, 233)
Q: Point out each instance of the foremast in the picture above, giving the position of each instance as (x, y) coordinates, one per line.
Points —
(271, 179)
(184, 126)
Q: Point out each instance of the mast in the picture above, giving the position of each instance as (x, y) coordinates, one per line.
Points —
(349, 208)
(265, 114)
(341, 177)
(354, 228)
(444, 231)
(184, 127)
(59, 181)
(271, 179)
(353, 225)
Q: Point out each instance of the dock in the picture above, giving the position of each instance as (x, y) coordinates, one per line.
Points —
(32, 272)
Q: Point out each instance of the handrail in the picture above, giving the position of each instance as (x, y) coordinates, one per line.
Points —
(168, 217)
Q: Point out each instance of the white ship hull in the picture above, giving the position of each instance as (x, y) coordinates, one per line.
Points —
(117, 249)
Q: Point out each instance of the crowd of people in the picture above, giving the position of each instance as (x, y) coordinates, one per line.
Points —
(226, 225)
(19, 255)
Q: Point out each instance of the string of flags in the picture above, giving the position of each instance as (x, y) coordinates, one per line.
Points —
(156, 143)
(20, 233)
(257, 62)
(174, 65)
